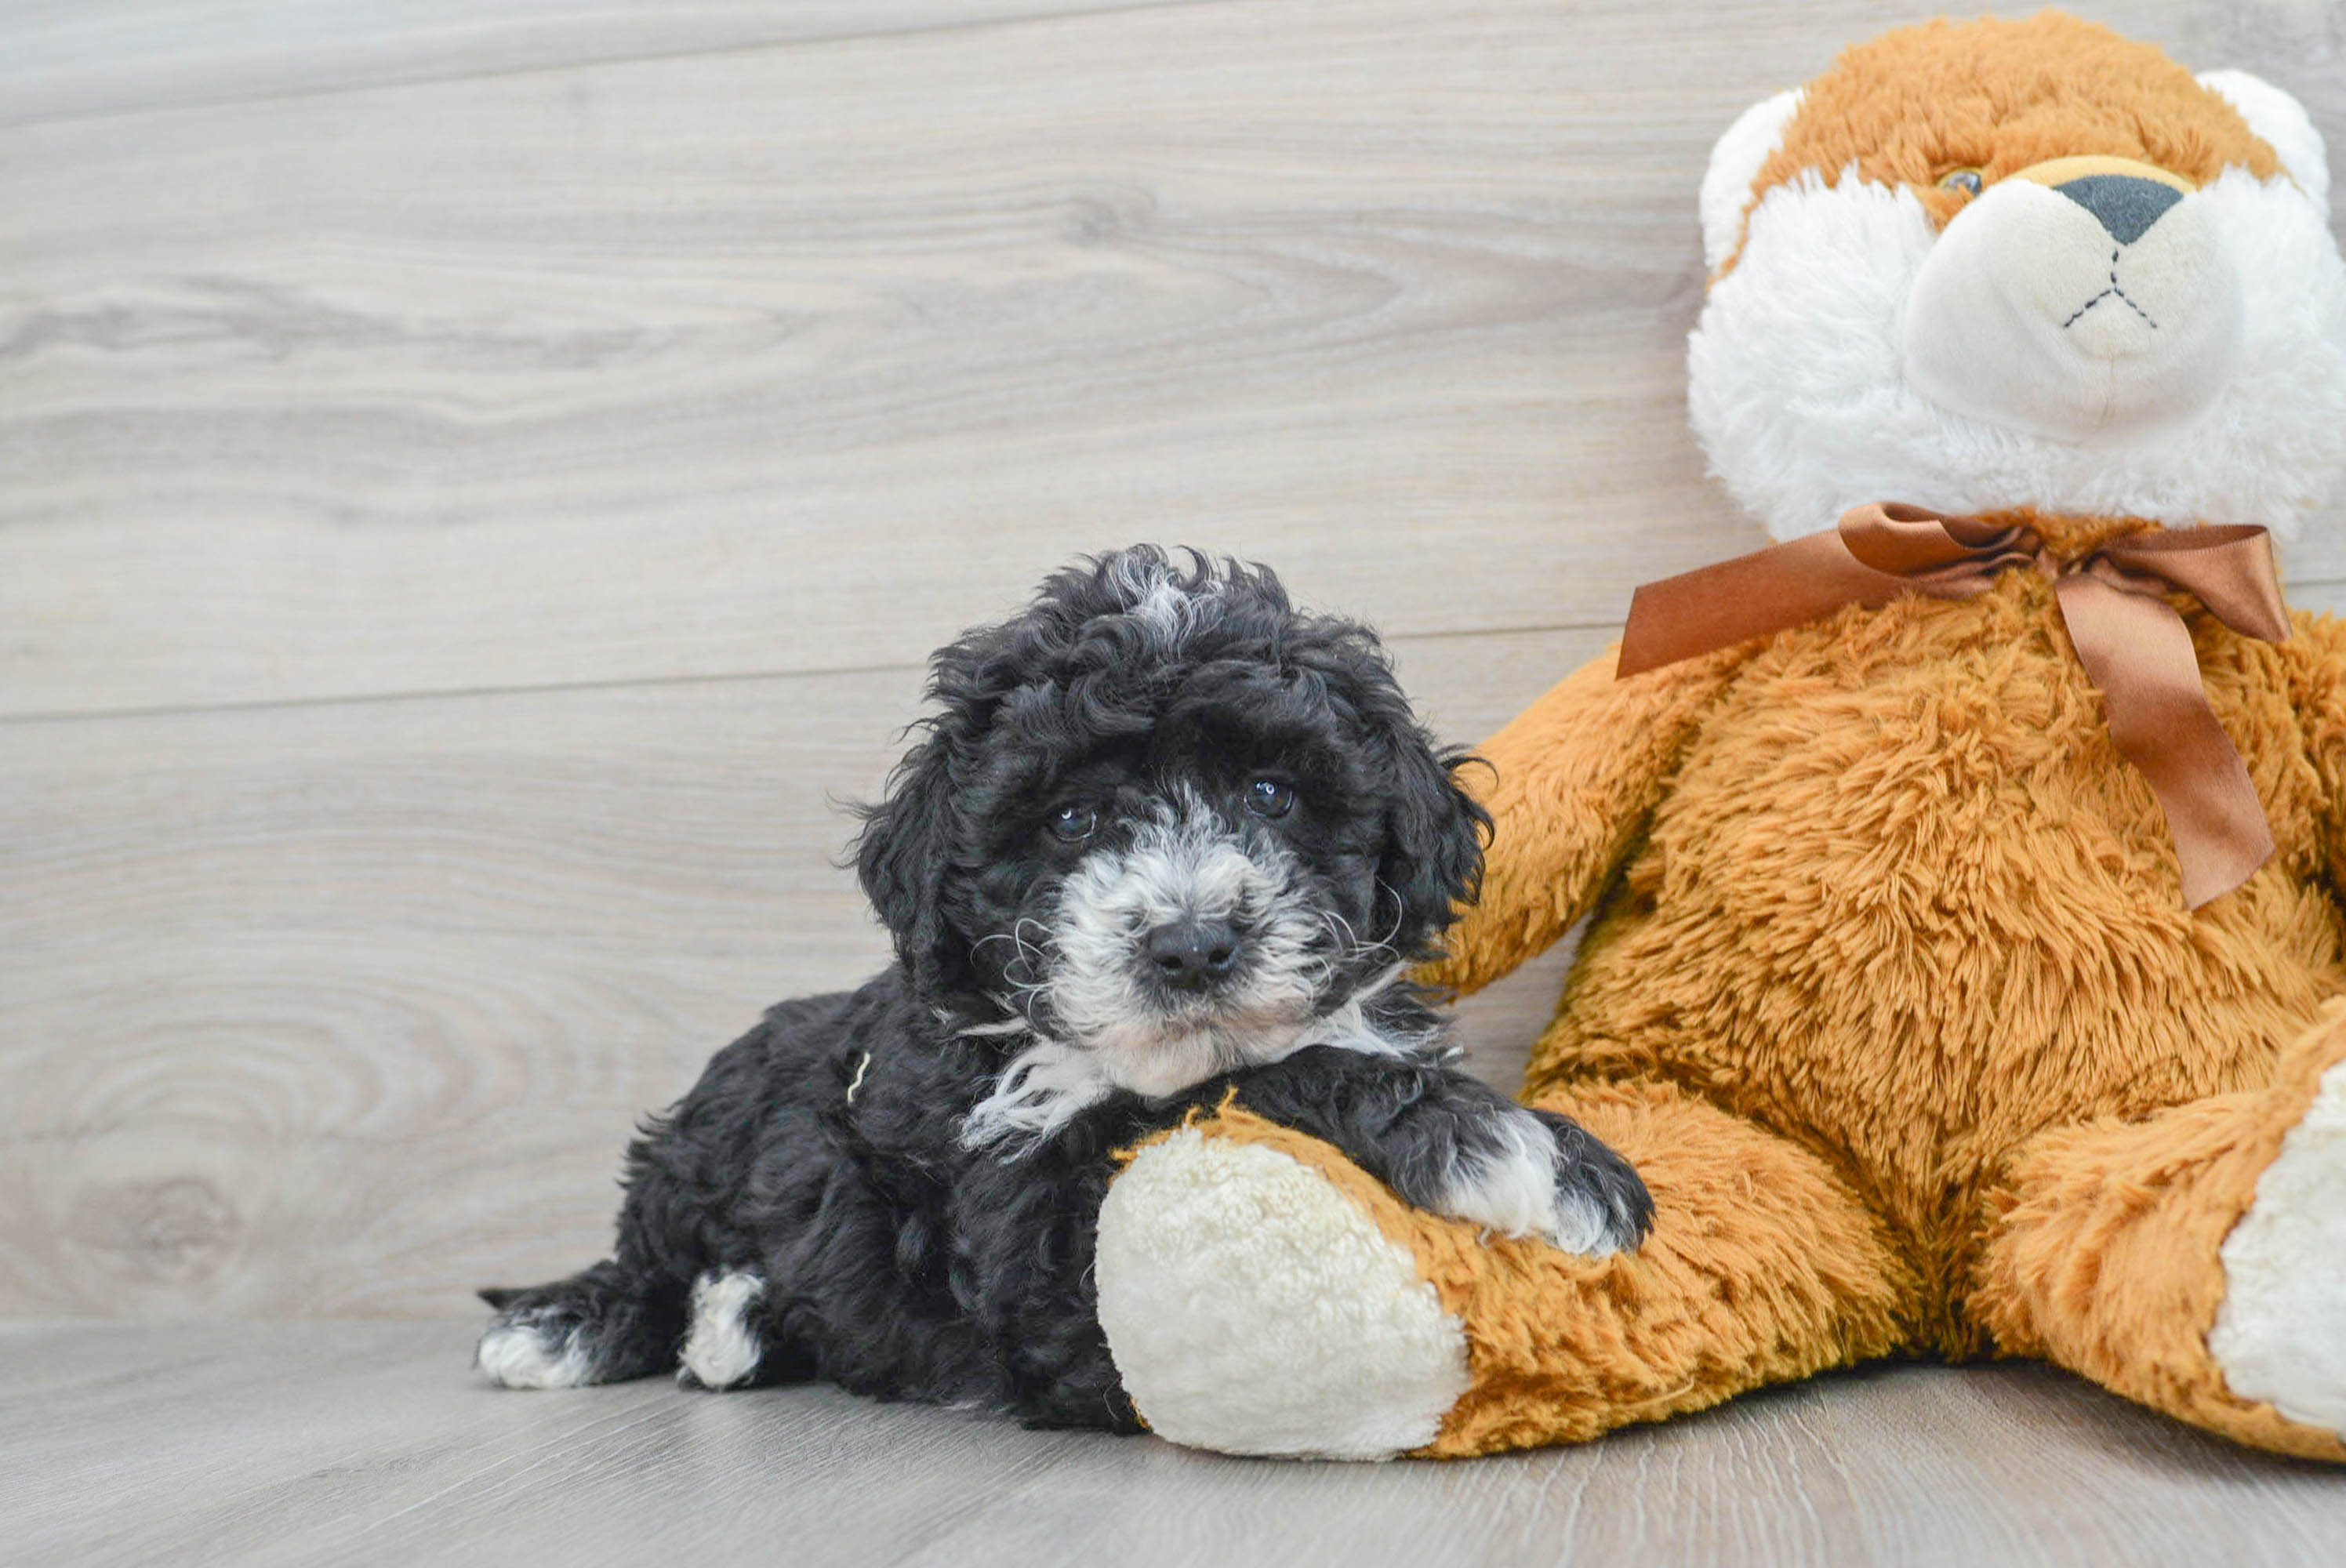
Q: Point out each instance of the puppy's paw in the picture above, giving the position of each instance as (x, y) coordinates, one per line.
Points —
(1534, 1173)
(726, 1340)
(536, 1347)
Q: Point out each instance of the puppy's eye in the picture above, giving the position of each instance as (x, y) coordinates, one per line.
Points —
(1073, 822)
(1967, 180)
(1269, 798)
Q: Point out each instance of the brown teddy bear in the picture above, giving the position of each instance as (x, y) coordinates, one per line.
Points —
(1964, 966)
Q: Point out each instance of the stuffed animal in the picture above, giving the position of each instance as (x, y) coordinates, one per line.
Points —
(1962, 967)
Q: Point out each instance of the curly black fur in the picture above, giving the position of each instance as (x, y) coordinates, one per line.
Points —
(1082, 693)
(834, 1158)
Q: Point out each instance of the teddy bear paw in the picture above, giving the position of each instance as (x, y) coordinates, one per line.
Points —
(2280, 1334)
(1252, 1307)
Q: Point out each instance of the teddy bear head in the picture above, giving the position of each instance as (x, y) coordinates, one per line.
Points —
(2022, 263)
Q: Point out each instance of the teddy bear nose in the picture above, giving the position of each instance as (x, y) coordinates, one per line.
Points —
(2125, 204)
(1193, 954)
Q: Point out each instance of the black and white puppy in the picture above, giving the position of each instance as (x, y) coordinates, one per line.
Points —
(1165, 839)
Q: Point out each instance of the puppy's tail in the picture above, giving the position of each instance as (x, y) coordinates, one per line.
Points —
(602, 1325)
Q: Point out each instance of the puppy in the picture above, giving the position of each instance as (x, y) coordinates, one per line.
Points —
(1166, 839)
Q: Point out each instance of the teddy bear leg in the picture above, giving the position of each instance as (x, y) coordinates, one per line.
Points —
(2194, 1261)
(1262, 1295)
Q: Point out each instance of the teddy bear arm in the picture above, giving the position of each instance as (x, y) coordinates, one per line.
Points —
(1573, 780)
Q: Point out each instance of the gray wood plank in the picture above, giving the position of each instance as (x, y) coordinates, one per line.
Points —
(96, 57)
(370, 1442)
(348, 1008)
(781, 360)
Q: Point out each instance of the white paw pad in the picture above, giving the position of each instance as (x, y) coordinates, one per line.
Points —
(1251, 1307)
(2280, 1334)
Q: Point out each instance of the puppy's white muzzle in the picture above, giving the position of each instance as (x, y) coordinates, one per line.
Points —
(1186, 871)
(2070, 317)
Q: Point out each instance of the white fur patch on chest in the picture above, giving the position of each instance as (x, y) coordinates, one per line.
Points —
(1040, 1091)
(1048, 1084)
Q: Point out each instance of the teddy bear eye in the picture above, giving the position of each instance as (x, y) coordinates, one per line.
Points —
(1072, 821)
(1967, 180)
(1269, 798)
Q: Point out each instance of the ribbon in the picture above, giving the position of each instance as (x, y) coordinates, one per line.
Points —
(2133, 644)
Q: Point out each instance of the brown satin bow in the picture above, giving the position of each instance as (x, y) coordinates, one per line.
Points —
(2135, 647)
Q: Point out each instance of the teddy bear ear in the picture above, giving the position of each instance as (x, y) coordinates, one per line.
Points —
(1735, 163)
(2281, 122)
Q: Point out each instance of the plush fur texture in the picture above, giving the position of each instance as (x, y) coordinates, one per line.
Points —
(2281, 123)
(2278, 1335)
(1164, 848)
(1887, 983)
(1329, 1319)
(2105, 1234)
(1735, 163)
(1901, 110)
(1885, 1034)
(1762, 1267)
(1827, 369)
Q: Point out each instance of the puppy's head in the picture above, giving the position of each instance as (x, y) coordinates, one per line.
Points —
(1165, 820)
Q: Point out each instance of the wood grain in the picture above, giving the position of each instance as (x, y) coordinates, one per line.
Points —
(98, 58)
(369, 1443)
(783, 358)
(347, 1008)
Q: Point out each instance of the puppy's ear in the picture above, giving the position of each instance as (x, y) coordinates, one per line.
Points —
(901, 857)
(1434, 833)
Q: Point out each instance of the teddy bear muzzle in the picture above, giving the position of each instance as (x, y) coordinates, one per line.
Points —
(2082, 298)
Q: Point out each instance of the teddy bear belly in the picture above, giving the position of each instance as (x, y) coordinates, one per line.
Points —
(1909, 912)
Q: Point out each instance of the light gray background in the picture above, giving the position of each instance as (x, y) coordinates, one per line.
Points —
(477, 479)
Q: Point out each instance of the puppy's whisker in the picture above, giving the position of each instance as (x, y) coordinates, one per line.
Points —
(1031, 954)
(1344, 938)
(1349, 950)
(1033, 1001)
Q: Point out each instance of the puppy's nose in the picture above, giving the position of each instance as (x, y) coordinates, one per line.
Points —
(2125, 204)
(1193, 954)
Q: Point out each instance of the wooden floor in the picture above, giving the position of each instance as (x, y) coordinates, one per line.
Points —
(477, 481)
(370, 1442)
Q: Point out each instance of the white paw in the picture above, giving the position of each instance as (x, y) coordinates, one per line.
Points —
(2280, 1334)
(722, 1347)
(525, 1354)
(1251, 1307)
(1524, 1190)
